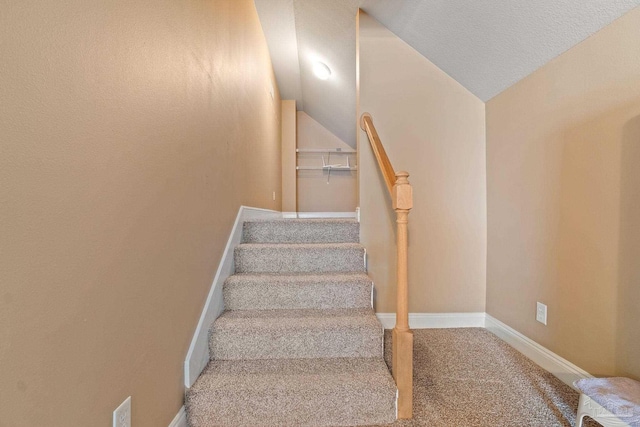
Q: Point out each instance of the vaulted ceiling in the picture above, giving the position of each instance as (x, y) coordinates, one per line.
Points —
(486, 45)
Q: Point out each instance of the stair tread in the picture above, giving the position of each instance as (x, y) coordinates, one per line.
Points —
(317, 392)
(355, 276)
(303, 220)
(299, 257)
(330, 245)
(246, 291)
(244, 373)
(297, 333)
(301, 230)
(297, 318)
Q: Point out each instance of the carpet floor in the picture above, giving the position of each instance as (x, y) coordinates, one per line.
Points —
(471, 378)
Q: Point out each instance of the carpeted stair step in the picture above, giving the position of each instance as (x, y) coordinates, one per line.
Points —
(298, 344)
(301, 231)
(299, 392)
(299, 258)
(287, 334)
(297, 291)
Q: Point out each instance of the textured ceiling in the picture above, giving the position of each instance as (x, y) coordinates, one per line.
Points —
(486, 45)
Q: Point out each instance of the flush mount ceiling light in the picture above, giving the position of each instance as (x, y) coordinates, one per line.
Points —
(321, 70)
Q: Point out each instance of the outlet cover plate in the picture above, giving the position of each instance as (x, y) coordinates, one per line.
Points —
(122, 414)
(541, 313)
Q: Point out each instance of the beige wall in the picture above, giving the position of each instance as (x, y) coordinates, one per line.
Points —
(130, 133)
(288, 145)
(563, 156)
(433, 128)
(315, 194)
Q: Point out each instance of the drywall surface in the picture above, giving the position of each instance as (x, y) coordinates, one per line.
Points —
(433, 128)
(289, 175)
(131, 132)
(319, 191)
(563, 148)
(278, 22)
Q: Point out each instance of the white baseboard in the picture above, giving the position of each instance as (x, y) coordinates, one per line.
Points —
(198, 355)
(319, 215)
(566, 371)
(435, 320)
(180, 420)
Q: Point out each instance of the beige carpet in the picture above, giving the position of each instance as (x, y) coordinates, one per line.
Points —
(470, 378)
(298, 343)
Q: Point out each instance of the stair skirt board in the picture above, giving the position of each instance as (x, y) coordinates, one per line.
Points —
(180, 420)
(198, 354)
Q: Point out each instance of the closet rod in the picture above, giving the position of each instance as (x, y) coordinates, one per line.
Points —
(324, 150)
(329, 168)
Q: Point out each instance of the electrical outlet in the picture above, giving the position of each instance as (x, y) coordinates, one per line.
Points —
(541, 313)
(274, 195)
(122, 414)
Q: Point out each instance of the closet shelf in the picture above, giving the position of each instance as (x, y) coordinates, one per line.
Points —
(325, 150)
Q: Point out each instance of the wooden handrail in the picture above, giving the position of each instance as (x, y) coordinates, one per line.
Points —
(366, 123)
(402, 200)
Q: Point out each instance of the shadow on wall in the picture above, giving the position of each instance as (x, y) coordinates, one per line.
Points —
(628, 304)
(581, 239)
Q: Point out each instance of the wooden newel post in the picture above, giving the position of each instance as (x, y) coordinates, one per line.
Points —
(402, 198)
(402, 364)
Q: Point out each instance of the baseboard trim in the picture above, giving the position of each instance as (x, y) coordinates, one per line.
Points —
(435, 320)
(319, 215)
(180, 420)
(566, 371)
(198, 354)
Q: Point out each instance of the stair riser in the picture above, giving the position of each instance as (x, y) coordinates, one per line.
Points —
(293, 392)
(267, 296)
(226, 344)
(301, 232)
(309, 259)
(336, 407)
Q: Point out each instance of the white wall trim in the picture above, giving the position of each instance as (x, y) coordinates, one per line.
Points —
(198, 354)
(435, 320)
(566, 371)
(319, 215)
(180, 420)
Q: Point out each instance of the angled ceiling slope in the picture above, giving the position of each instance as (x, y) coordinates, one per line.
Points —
(278, 24)
(486, 46)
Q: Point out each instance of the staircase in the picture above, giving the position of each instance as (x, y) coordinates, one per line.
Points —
(298, 343)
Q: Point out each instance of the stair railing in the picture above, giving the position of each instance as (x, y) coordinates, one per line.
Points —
(402, 200)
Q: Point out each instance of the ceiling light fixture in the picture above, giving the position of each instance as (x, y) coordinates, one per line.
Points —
(321, 70)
